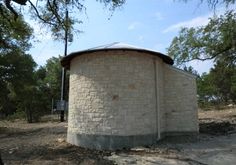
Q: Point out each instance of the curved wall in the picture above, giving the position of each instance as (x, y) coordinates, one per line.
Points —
(112, 102)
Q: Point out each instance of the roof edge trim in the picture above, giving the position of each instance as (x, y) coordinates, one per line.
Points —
(65, 62)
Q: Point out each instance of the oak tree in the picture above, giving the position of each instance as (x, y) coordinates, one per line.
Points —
(52, 13)
(216, 40)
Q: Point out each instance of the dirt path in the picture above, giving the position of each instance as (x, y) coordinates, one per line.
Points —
(215, 145)
(44, 143)
(206, 150)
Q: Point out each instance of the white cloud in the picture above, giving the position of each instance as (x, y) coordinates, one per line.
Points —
(201, 66)
(159, 16)
(160, 47)
(195, 22)
(133, 25)
(140, 38)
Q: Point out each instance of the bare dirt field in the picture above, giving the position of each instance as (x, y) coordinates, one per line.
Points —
(44, 143)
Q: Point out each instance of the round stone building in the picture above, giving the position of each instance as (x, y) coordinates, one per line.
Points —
(122, 96)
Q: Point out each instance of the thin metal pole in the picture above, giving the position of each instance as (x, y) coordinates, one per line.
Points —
(52, 106)
(63, 77)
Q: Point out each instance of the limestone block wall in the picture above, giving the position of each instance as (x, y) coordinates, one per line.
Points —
(180, 101)
(112, 99)
(128, 98)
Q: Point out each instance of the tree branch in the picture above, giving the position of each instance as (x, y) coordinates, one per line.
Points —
(208, 58)
(55, 12)
(20, 2)
(3, 13)
(8, 5)
(38, 15)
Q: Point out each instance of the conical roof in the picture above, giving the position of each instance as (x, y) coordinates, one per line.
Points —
(115, 46)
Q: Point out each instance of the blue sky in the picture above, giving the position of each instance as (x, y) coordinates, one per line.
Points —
(149, 24)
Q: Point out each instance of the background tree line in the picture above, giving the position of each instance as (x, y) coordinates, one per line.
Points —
(27, 90)
(217, 42)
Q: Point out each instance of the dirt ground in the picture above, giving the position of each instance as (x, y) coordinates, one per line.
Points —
(44, 143)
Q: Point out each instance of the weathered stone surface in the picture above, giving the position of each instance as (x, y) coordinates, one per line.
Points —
(112, 94)
(180, 101)
(128, 94)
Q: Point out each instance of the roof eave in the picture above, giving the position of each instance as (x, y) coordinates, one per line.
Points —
(65, 62)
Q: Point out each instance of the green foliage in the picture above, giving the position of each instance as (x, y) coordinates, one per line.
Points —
(45, 87)
(23, 89)
(16, 67)
(14, 35)
(52, 13)
(223, 76)
(218, 87)
(16, 115)
(213, 3)
(206, 90)
(16, 74)
(191, 70)
(216, 40)
(53, 77)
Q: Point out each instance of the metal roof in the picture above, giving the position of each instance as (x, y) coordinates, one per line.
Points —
(116, 46)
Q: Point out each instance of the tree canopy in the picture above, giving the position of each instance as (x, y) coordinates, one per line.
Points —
(24, 89)
(213, 3)
(52, 13)
(218, 87)
(15, 35)
(216, 40)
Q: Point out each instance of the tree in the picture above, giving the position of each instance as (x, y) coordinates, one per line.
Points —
(224, 78)
(216, 40)
(53, 12)
(26, 90)
(19, 89)
(53, 77)
(17, 77)
(48, 79)
(15, 66)
(191, 70)
(23, 88)
(35, 96)
(213, 3)
(218, 86)
(206, 90)
(14, 35)
(45, 87)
